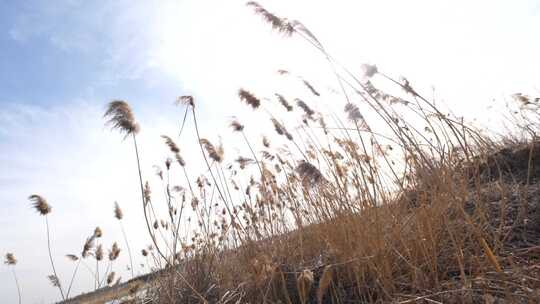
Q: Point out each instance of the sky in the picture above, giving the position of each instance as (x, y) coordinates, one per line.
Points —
(62, 61)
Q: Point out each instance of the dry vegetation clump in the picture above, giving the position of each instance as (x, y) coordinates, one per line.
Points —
(387, 201)
(421, 208)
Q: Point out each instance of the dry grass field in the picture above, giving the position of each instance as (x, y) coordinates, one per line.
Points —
(387, 200)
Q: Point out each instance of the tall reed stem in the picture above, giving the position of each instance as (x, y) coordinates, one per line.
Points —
(152, 236)
(16, 283)
(73, 278)
(127, 246)
(51, 258)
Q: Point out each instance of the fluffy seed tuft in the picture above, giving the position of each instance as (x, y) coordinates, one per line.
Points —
(118, 211)
(215, 153)
(40, 204)
(185, 100)
(10, 259)
(237, 126)
(121, 117)
(279, 24)
(249, 98)
(98, 233)
(284, 102)
(72, 257)
(54, 280)
(114, 252)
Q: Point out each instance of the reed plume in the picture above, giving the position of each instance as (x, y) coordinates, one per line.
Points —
(266, 142)
(280, 129)
(215, 153)
(237, 126)
(97, 232)
(98, 254)
(121, 117)
(72, 257)
(310, 87)
(147, 193)
(284, 102)
(244, 161)
(279, 24)
(369, 70)
(114, 252)
(88, 245)
(171, 144)
(118, 214)
(309, 173)
(12, 261)
(175, 150)
(110, 278)
(249, 98)
(54, 280)
(353, 112)
(185, 100)
(307, 110)
(40, 204)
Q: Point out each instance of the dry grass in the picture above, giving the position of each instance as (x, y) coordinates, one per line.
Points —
(415, 207)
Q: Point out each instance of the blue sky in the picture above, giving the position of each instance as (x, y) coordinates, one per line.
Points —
(62, 61)
(75, 49)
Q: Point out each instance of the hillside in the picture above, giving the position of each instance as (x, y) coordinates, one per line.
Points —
(503, 202)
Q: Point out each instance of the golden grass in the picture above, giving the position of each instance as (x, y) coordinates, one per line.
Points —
(387, 201)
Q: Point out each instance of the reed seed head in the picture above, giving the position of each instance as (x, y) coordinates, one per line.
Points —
(310, 88)
(249, 98)
(237, 126)
(171, 144)
(180, 160)
(185, 100)
(369, 70)
(309, 112)
(54, 280)
(10, 259)
(99, 253)
(309, 173)
(279, 24)
(88, 245)
(98, 232)
(147, 192)
(110, 277)
(114, 252)
(40, 204)
(284, 102)
(72, 257)
(215, 153)
(117, 211)
(266, 142)
(353, 112)
(121, 117)
(244, 161)
(280, 129)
